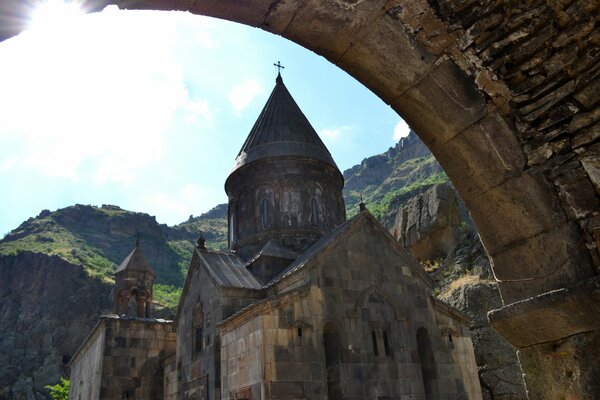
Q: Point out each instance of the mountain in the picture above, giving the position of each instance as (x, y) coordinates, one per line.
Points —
(404, 170)
(55, 269)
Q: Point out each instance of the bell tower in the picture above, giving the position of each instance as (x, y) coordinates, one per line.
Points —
(284, 190)
(133, 281)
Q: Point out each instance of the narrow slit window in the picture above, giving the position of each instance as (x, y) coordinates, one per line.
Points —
(374, 337)
(386, 344)
(198, 341)
(299, 331)
(314, 217)
(265, 213)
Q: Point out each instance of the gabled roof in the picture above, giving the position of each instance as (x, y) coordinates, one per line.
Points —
(274, 250)
(337, 236)
(282, 129)
(228, 269)
(135, 261)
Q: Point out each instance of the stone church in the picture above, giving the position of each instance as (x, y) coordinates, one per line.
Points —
(303, 305)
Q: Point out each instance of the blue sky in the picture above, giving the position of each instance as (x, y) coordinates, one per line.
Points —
(147, 110)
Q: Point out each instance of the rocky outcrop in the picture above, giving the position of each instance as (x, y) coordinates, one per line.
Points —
(47, 307)
(377, 169)
(428, 223)
(464, 280)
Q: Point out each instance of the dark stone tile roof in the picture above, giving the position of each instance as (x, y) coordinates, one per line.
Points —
(228, 269)
(314, 250)
(272, 249)
(282, 130)
(135, 261)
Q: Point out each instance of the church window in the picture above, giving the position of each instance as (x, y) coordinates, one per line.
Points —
(265, 213)
(374, 337)
(232, 229)
(197, 330)
(198, 339)
(428, 370)
(386, 345)
(314, 216)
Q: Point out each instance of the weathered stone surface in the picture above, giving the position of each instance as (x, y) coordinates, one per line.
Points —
(48, 307)
(427, 223)
(447, 84)
(565, 369)
(551, 316)
(469, 153)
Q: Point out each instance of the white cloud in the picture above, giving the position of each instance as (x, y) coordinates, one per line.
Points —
(102, 101)
(207, 39)
(198, 108)
(243, 94)
(176, 207)
(401, 130)
(334, 133)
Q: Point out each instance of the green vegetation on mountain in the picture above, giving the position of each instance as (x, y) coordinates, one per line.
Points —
(99, 238)
(385, 179)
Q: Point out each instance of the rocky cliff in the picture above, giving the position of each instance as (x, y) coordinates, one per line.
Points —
(402, 171)
(47, 307)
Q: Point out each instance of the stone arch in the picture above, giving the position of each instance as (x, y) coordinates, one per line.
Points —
(364, 296)
(516, 135)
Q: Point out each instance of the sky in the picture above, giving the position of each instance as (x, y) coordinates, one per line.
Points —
(147, 110)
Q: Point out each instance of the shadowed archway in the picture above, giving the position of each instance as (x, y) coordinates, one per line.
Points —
(506, 96)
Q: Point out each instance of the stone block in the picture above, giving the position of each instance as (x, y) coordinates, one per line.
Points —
(591, 162)
(576, 192)
(328, 28)
(380, 45)
(544, 262)
(441, 105)
(517, 209)
(551, 316)
(482, 156)
(246, 12)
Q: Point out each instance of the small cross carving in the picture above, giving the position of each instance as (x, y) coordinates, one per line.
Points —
(279, 67)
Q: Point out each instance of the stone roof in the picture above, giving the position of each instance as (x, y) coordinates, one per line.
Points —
(274, 250)
(228, 269)
(282, 130)
(315, 249)
(135, 261)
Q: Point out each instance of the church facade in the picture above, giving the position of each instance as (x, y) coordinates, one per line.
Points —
(304, 304)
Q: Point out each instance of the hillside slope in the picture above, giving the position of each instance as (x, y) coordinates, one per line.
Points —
(404, 170)
(56, 280)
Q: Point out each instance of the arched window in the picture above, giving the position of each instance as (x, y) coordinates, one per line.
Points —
(265, 213)
(197, 330)
(332, 346)
(231, 229)
(314, 216)
(427, 359)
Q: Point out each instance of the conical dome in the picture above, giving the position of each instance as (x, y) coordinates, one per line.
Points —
(284, 186)
(282, 130)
